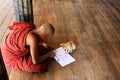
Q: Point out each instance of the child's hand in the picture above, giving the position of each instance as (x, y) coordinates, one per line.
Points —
(51, 54)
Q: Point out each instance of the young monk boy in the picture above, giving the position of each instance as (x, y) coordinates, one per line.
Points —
(26, 48)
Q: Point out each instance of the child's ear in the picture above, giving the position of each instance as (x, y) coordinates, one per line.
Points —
(44, 35)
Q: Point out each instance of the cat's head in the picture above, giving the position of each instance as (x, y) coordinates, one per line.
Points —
(69, 47)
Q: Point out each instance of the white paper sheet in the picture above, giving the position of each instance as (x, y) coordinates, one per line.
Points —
(63, 58)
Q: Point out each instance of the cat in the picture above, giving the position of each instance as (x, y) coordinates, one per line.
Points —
(69, 46)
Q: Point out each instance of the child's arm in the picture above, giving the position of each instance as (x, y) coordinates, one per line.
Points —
(33, 43)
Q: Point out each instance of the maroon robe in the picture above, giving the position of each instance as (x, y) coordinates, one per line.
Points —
(15, 53)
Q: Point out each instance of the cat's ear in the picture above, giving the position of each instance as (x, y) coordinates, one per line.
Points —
(73, 44)
(71, 41)
(62, 44)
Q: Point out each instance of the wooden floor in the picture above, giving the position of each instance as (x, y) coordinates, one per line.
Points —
(93, 24)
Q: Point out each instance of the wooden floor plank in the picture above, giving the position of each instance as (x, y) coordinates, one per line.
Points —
(20, 75)
(4, 12)
(6, 23)
(94, 25)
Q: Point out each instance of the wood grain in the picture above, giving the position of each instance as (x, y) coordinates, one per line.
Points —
(94, 25)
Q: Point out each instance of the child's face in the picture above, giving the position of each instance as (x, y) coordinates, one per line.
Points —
(47, 37)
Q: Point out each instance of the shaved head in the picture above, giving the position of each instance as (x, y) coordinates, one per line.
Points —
(48, 28)
(45, 31)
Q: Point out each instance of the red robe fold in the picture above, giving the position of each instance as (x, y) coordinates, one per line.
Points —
(14, 52)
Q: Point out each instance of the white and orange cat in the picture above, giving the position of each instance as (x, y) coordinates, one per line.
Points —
(69, 46)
